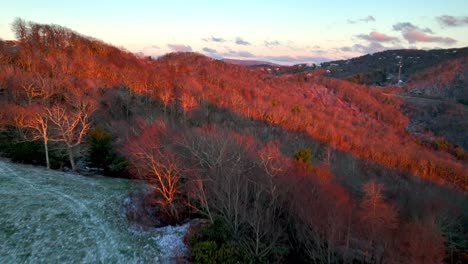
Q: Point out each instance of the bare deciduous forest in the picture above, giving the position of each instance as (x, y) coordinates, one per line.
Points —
(298, 167)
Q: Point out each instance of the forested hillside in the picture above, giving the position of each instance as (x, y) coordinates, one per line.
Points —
(299, 165)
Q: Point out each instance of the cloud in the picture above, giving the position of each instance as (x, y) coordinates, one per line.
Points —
(280, 59)
(372, 47)
(243, 54)
(366, 19)
(407, 26)
(228, 53)
(213, 53)
(209, 50)
(151, 50)
(271, 44)
(240, 41)
(296, 59)
(375, 36)
(213, 39)
(179, 47)
(452, 21)
(346, 49)
(415, 34)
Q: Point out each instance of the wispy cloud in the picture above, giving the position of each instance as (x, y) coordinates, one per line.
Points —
(377, 37)
(179, 47)
(228, 53)
(242, 54)
(151, 49)
(366, 19)
(287, 59)
(372, 47)
(407, 26)
(213, 39)
(346, 49)
(415, 34)
(452, 21)
(272, 43)
(316, 57)
(209, 50)
(240, 41)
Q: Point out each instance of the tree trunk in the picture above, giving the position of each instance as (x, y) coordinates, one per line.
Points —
(72, 159)
(46, 149)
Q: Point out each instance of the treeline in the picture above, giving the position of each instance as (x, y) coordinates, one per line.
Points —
(249, 153)
(348, 116)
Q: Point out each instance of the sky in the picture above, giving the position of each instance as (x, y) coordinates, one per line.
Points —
(280, 31)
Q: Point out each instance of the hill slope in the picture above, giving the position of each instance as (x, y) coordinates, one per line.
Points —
(52, 216)
(380, 68)
(346, 116)
(199, 130)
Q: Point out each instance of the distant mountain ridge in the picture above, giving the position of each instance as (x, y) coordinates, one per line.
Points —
(380, 68)
(248, 62)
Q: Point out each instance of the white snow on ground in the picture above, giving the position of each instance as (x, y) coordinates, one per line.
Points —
(170, 240)
(53, 217)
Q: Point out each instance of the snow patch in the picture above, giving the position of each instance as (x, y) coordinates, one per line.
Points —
(170, 241)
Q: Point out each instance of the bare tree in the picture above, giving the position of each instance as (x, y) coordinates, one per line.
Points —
(30, 91)
(166, 97)
(265, 228)
(20, 28)
(379, 219)
(419, 242)
(155, 163)
(233, 185)
(35, 120)
(221, 183)
(71, 124)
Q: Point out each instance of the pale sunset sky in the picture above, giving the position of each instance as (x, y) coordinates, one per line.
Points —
(286, 32)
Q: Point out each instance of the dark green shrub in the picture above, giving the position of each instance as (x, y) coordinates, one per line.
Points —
(102, 154)
(210, 252)
(118, 167)
(217, 232)
(230, 253)
(442, 144)
(460, 154)
(30, 152)
(204, 252)
(296, 109)
(211, 243)
(303, 155)
(100, 148)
